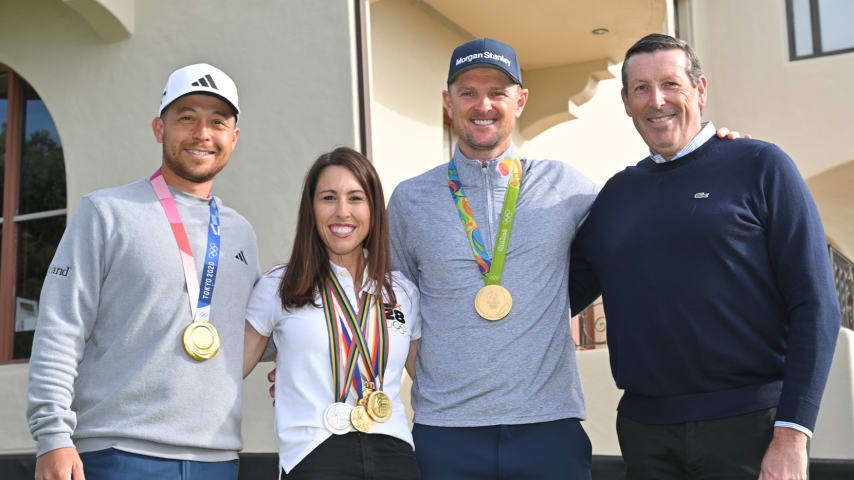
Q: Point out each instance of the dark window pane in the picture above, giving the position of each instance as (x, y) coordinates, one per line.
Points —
(835, 17)
(4, 112)
(37, 241)
(42, 166)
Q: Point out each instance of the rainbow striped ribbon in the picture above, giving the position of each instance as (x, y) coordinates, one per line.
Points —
(374, 359)
(337, 349)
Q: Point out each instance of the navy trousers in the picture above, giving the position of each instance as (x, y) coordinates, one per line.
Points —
(549, 450)
(111, 464)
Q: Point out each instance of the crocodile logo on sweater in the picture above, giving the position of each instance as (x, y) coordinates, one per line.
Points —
(701, 195)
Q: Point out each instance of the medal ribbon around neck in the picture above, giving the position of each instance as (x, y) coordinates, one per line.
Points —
(490, 269)
(336, 347)
(199, 311)
(374, 359)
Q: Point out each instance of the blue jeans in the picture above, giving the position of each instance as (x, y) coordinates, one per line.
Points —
(113, 464)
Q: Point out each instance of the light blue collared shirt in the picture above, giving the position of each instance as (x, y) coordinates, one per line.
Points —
(708, 131)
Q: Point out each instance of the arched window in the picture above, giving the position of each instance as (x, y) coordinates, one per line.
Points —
(32, 205)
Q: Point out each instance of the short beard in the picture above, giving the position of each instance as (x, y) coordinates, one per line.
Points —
(178, 169)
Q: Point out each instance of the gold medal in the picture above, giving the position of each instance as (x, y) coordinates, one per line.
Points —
(493, 302)
(201, 340)
(378, 405)
(360, 419)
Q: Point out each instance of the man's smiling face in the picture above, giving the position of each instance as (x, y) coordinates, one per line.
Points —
(663, 103)
(198, 134)
(483, 104)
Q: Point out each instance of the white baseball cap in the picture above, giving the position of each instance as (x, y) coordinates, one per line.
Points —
(199, 78)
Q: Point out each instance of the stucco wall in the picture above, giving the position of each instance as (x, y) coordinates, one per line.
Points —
(600, 143)
(804, 106)
(292, 61)
(410, 50)
(294, 65)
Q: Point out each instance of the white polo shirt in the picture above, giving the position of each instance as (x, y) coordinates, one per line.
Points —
(304, 385)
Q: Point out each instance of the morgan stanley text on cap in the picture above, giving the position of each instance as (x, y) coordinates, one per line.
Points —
(485, 52)
(199, 78)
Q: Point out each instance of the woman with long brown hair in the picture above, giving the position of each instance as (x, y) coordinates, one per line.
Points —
(344, 326)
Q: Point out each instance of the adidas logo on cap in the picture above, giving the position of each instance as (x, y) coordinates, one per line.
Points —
(205, 81)
(201, 78)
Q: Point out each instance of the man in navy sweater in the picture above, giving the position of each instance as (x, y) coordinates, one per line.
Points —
(716, 281)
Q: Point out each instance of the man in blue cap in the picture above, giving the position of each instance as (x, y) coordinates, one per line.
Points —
(497, 392)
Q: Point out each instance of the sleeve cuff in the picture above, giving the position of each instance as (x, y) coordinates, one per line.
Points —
(53, 441)
(797, 427)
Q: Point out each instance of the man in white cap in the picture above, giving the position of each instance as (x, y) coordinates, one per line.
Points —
(137, 357)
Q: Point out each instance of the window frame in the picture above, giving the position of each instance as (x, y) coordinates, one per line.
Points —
(815, 24)
(9, 217)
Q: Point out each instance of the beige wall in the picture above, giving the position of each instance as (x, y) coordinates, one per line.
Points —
(408, 76)
(294, 65)
(601, 397)
(803, 106)
(834, 428)
(410, 50)
(833, 191)
(600, 143)
(13, 399)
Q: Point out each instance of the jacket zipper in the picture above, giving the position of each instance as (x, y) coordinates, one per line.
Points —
(490, 207)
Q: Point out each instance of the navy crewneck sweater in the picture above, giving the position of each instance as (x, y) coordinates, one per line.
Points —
(716, 284)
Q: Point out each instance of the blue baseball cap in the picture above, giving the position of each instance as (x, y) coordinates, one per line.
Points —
(485, 52)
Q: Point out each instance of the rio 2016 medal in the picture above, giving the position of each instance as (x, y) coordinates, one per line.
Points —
(201, 340)
(336, 418)
(378, 405)
(361, 420)
(493, 302)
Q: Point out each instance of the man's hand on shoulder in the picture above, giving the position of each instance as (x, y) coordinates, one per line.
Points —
(60, 464)
(786, 457)
(724, 132)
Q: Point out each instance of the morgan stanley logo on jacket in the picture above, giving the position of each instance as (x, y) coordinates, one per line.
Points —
(487, 54)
